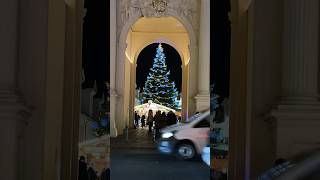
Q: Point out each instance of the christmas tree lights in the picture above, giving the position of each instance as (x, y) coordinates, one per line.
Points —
(158, 86)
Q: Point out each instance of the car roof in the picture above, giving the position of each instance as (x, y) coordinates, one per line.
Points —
(198, 117)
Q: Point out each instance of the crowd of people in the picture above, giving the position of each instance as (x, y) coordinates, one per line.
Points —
(88, 173)
(156, 122)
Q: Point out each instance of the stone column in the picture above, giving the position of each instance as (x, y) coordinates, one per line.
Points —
(8, 44)
(298, 114)
(113, 52)
(301, 46)
(203, 96)
(8, 99)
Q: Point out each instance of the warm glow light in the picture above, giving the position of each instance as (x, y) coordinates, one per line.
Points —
(129, 57)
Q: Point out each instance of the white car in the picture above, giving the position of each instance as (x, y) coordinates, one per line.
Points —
(206, 155)
(186, 140)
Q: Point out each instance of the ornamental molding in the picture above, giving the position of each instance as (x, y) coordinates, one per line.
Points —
(160, 7)
(184, 9)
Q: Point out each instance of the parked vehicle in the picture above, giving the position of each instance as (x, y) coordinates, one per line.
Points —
(186, 140)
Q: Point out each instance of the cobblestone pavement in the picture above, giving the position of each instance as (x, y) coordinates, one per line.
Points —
(138, 159)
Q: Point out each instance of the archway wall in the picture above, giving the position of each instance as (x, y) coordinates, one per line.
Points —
(127, 15)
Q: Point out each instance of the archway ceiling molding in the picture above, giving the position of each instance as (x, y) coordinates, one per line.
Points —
(176, 37)
(159, 25)
(185, 56)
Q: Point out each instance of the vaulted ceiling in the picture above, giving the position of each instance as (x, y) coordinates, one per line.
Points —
(158, 25)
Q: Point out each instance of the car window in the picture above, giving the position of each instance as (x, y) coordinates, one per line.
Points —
(203, 123)
(192, 118)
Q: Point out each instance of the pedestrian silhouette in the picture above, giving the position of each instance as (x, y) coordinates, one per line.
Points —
(83, 173)
(150, 120)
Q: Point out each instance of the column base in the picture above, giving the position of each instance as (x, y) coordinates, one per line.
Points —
(303, 100)
(202, 102)
(14, 117)
(113, 132)
(297, 128)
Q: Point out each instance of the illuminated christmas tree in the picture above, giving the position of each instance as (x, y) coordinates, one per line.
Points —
(158, 86)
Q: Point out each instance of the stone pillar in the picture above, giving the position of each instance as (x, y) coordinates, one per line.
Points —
(185, 93)
(9, 106)
(203, 96)
(113, 52)
(298, 114)
(87, 101)
(8, 44)
(301, 46)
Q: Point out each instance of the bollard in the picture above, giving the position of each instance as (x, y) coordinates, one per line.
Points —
(127, 133)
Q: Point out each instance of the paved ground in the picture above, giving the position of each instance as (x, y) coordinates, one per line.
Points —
(140, 160)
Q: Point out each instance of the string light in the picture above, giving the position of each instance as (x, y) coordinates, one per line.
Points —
(163, 90)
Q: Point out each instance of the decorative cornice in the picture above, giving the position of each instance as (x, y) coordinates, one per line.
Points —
(187, 9)
(160, 7)
(296, 112)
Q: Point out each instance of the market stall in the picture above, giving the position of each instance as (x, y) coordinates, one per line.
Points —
(143, 109)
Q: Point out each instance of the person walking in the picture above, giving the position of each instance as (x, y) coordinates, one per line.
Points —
(83, 173)
(136, 119)
(162, 123)
(92, 174)
(172, 119)
(157, 119)
(105, 175)
(143, 121)
(150, 120)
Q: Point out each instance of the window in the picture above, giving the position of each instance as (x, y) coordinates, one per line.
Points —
(203, 123)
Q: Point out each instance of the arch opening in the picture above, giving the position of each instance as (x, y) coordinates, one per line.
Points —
(171, 64)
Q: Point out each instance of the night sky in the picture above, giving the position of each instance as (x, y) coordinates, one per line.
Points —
(145, 61)
(96, 62)
(220, 48)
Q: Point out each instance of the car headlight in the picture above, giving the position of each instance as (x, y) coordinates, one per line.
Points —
(167, 135)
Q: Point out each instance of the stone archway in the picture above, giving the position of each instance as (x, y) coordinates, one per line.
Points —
(130, 14)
